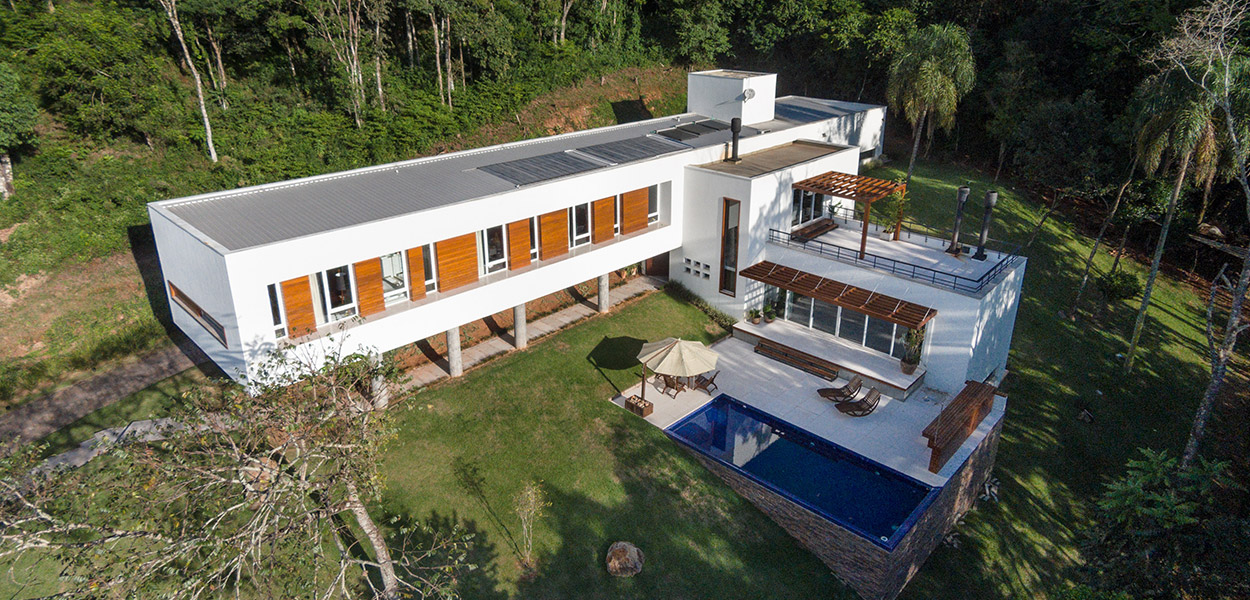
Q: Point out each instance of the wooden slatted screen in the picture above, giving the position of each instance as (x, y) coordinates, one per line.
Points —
(947, 432)
(518, 244)
(297, 300)
(369, 287)
(634, 210)
(603, 217)
(416, 273)
(553, 229)
(457, 261)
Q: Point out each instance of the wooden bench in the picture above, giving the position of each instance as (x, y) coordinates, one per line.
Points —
(815, 230)
(798, 359)
(947, 432)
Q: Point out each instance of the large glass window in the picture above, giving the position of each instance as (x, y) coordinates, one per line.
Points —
(799, 309)
(279, 313)
(729, 248)
(825, 317)
(880, 335)
(428, 262)
(579, 225)
(533, 238)
(805, 207)
(492, 249)
(851, 327)
(394, 278)
(334, 287)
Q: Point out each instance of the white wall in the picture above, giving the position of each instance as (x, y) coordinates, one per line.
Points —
(995, 324)
(200, 272)
(712, 94)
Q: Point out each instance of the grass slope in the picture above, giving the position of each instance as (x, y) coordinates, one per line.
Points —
(466, 447)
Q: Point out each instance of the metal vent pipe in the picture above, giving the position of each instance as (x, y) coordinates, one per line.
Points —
(735, 126)
(960, 199)
(991, 198)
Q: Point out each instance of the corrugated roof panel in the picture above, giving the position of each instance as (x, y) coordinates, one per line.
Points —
(533, 169)
(640, 148)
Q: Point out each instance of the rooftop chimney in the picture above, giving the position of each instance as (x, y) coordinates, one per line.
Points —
(960, 199)
(735, 126)
(991, 198)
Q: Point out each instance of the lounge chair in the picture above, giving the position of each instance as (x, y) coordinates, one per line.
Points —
(844, 393)
(706, 384)
(861, 408)
(672, 384)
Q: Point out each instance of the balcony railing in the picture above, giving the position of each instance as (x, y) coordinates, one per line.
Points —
(937, 277)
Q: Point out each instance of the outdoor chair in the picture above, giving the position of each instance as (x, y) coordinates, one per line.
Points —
(672, 384)
(844, 393)
(706, 384)
(861, 408)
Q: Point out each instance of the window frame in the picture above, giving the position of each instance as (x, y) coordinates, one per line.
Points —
(429, 265)
(799, 201)
(576, 240)
(653, 198)
(486, 266)
(211, 325)
(346, 311)
(403, 293)
(277, 310)
(534, 238)
(729, 273)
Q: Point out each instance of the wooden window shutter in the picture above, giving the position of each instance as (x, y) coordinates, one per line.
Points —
(518, 244)
(297, 300)
(369, 286)
(634, 210)
(416, 273)
(603, 217)
(457, 261)
(553, 228)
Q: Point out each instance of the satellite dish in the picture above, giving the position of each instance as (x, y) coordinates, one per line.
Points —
(747, 94)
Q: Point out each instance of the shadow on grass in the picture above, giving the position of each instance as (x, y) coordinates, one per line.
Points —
(615, 354)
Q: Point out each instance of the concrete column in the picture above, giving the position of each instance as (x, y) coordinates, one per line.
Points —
(604, 302)
(381, 390)
(455, 366)
(521, 337)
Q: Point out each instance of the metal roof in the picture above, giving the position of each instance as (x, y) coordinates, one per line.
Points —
(259, 215)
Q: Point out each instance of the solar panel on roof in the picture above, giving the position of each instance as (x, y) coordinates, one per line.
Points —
(638, 148)
(534, 169)
(677, 134)
(714, 125)
(696, 128)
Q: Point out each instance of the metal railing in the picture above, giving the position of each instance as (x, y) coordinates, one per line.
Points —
(900, 268)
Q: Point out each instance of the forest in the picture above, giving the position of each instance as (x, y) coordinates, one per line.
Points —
(109, 105)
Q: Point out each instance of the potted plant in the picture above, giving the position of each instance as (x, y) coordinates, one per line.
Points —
(770, 313)
(912, 344)
(895, 210)
(754, 316)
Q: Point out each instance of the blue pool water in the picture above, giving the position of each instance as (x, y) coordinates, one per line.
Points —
(863, 496)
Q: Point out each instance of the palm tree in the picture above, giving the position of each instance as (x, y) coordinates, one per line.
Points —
(1180, 127)
(928, 77)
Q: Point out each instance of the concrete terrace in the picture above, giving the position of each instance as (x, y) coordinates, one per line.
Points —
(891, 435)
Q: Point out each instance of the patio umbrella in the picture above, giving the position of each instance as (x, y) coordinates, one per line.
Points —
(673, 356)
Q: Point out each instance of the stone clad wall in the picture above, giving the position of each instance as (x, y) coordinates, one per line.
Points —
(873, 572)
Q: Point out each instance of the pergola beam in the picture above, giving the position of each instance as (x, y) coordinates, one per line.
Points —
(856, 188)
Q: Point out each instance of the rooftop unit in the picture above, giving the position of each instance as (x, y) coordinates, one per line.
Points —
(725, 94)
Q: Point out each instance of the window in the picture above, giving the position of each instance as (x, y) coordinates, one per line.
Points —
(805, 207)
(428, 262)
(825, 317)
(855, 327)
(851, 326)
(492, 250)
(880, 335)
(729, 247)
(211, 325)
(334, 294)
(579, 225)
(279, 314)
(799, 309)
(653, 204)
(617, 208)
(394, 278)
(533, 238)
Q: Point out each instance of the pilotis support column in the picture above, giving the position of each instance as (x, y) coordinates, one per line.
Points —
(380, 388)
(604, 302)
(455, 366)
(521, 337)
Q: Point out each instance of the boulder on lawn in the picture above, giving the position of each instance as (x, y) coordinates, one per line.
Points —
(624, 559)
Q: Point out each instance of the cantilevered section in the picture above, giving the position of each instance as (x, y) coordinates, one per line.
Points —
(879, 306)
(856, 188)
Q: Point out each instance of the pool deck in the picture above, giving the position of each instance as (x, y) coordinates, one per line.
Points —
(891, 435)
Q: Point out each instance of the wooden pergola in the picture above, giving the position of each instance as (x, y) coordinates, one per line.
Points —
(873, 304)
(856, 188)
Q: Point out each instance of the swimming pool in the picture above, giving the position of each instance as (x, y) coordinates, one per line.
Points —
(865, 497)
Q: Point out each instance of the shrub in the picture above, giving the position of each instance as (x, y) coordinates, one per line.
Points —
(1119, 286)
(683, 293)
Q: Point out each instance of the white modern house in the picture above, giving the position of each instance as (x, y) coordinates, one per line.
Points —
(749, 200)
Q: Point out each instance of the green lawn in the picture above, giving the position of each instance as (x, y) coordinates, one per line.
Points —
(466, 447)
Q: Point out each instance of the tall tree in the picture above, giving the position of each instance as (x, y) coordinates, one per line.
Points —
(171, 12)
(1207, 50)
(1012, 90)
(1178, 128)
(928, 77)
(17, 122)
